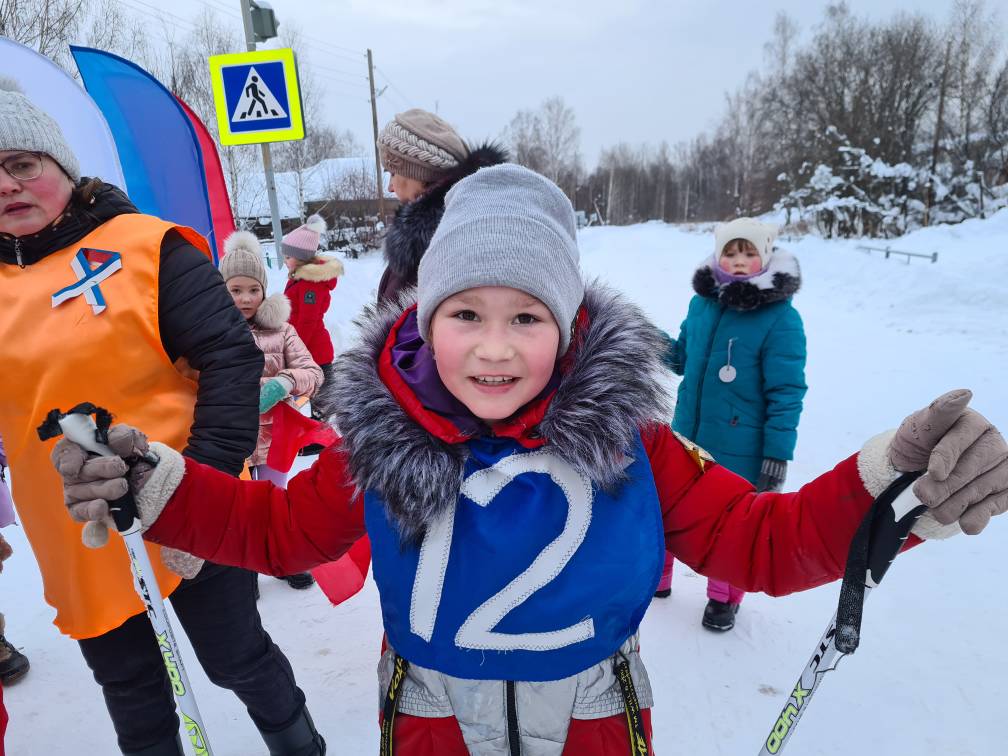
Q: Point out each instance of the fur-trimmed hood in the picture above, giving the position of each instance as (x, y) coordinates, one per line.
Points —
(273, 312)
(612, 381)
(781, 280)
(320, 268)
(416, 221)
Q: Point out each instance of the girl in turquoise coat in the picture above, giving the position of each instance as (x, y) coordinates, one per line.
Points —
(741, 352)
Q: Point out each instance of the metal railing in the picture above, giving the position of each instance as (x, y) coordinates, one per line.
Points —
(933, 257)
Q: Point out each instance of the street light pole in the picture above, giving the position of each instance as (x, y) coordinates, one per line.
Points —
(267, 157)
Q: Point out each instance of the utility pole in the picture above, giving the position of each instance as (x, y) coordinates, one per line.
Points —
(374, 123)
(267, 157)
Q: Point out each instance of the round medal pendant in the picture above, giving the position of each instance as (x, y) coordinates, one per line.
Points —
(727, 374)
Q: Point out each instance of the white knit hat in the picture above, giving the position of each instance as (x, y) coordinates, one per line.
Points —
(23, 126)
(760, 235)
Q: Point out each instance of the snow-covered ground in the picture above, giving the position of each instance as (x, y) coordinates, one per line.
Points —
(884, 338)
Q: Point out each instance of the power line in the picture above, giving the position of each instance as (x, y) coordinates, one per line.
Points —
(218, 6)
(354, 77)
(326, 50)
(356, 53)
(160, 14)
(391, 84)
(343, 92)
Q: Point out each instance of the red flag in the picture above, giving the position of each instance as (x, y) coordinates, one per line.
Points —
(217, 193)
(341, 579)
(291, 432)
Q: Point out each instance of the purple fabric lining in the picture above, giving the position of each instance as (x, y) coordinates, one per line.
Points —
(724, 278)
(412, 357)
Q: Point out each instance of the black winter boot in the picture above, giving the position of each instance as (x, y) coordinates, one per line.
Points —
(171, 747)
(300, 738)
(13, 664)
(719, 616)
(300, 580)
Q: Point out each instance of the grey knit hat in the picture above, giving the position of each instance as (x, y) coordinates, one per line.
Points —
(504, 226)
(23, 126)
(420, 145)
(243, 257)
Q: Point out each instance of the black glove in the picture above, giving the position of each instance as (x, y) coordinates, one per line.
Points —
(772, 474)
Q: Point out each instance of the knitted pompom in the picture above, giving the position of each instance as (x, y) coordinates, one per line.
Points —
(316, 223)
(10, 85)
(243, 240)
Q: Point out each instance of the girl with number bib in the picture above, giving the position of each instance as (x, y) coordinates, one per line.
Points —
(503, 446)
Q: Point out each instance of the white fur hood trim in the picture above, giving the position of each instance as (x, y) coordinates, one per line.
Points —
(319, 269)
(273, 312)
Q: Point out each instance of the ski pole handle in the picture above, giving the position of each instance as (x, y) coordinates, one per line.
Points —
(878, 540)
(81, 429)
(79, 426)
(898, 511)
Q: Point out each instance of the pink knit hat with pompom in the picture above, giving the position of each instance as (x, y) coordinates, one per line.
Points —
(303, 242)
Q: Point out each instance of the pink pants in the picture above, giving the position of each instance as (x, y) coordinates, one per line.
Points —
(718, 590)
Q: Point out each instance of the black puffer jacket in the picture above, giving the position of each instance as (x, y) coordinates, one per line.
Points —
(416, 222)
(198, 322)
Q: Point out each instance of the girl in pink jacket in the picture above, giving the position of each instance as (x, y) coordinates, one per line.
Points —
(289, 368)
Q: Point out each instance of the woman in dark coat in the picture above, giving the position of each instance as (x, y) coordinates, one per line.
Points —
(426, 157)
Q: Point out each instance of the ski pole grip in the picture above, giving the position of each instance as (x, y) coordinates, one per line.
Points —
(876, 543)
(898, 512)
(80, 429)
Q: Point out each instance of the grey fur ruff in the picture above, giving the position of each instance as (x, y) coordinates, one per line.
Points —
(612, 390)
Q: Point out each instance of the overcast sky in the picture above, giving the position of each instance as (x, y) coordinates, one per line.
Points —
(632, 70)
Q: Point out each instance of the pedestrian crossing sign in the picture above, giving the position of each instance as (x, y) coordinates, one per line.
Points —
(257, 97)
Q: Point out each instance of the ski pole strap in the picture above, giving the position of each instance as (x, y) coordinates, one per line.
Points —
(876, 543)
(631, 705)
(399, 668)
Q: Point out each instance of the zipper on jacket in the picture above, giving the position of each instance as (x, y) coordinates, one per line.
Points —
(703, 374)
(17, 252)
(514, 737)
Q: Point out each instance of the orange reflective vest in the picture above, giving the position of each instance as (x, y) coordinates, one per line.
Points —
(60, 348)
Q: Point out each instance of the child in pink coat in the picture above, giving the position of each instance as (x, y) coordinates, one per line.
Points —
(289, 369)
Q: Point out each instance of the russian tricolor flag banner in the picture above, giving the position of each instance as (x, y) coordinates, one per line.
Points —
(159, 149)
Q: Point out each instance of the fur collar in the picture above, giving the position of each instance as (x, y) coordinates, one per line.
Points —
(273, 312)
(319, 268)
(613, 383)
(781, 280)
(416, 221)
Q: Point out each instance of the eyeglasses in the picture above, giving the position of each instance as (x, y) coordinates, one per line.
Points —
(25, 166)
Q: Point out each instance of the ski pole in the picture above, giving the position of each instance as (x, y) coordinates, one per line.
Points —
(79, 426)
(876, 543)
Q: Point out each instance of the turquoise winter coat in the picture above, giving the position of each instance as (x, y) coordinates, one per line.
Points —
(755, 415)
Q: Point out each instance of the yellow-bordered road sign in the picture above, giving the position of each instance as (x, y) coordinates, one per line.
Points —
(257, 97)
